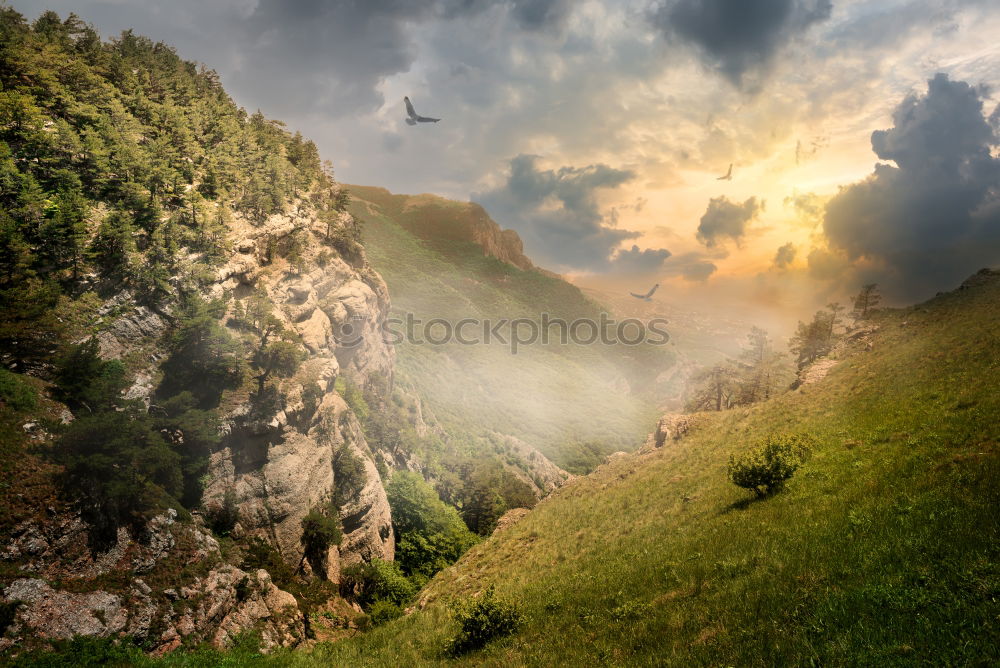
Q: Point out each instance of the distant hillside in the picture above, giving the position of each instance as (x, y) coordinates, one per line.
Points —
(884, 549)
(446, 259)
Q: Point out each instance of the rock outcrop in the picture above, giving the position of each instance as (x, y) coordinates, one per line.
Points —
(278, 467)
(670, 427)
(539, 471)
(214, 607)
(277, 461)
(433, 217)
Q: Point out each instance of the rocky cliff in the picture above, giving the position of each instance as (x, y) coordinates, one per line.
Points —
(438, 219)
(280, 466)
(168, 582)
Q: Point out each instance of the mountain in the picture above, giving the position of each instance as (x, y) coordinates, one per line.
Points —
(176, 280)
(448, 260)
(881, 550)
(207, 434)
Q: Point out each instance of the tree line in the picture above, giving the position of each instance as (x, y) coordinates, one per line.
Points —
(761, 370)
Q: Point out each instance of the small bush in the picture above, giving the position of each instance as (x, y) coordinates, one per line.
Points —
(765, 469)
(482, 620)
(222, 517)
(319, 532)
(383, 612)
(377, 581)
(16, 393)
(349, 475)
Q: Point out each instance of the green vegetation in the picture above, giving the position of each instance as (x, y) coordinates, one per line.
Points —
(16, 393)
(114, 158)
(123, 170)
(883, 550)
(555, 397)
(482, 620)
(369, 583)
(383, 612)
(430, 535)
(320, 531)
(765, 469)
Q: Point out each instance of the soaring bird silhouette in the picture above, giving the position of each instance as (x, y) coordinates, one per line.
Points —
(414, 117)
(648, 297)
(728, 176)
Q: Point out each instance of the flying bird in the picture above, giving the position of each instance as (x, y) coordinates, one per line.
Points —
(414, 117)
(728, 176)
(648, 296)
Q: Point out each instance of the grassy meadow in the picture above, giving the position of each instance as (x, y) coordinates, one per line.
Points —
(882, 550)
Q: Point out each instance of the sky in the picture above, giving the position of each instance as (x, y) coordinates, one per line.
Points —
(863, 135)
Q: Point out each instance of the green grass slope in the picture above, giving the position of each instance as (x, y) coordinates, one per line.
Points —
(554, 397)
(882, 550)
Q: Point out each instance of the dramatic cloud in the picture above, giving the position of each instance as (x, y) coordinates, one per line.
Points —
(557, 214)
(784, 256)
(341, 50)
(727, 219)
(740, 38)
(541, 14)
(933, 218)
(635, 261)
(690, 266)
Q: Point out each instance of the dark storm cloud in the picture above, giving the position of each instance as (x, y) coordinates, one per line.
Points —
(339, 51)
(739, 37)
(635, 261)
(784, 256)
(556, 212)
(934, 217)
(727, 219)
(541, 14)
(331, 54)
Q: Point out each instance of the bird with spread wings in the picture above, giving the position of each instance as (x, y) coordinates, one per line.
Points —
(648, 296)
(728, 176)
(414, 117)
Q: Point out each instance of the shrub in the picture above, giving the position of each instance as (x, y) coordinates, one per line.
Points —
(377, 581)
(319, 532)
(482, 620)
(349, 475)
(765, 469)
(14, 392)
(383, 612)
(261, 554)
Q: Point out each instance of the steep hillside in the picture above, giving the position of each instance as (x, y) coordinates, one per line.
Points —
(177, 281)
(448, 260)
(882, 550)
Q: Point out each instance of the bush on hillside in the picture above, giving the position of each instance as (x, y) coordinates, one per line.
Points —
(16, 393)
(481, 620)
(765, 469)
(383, 612)
(377, 581)
(320, 531)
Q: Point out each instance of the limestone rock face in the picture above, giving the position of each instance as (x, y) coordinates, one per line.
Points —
(277, 459)
(279, 464)
(670, 427)
(213, 608)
